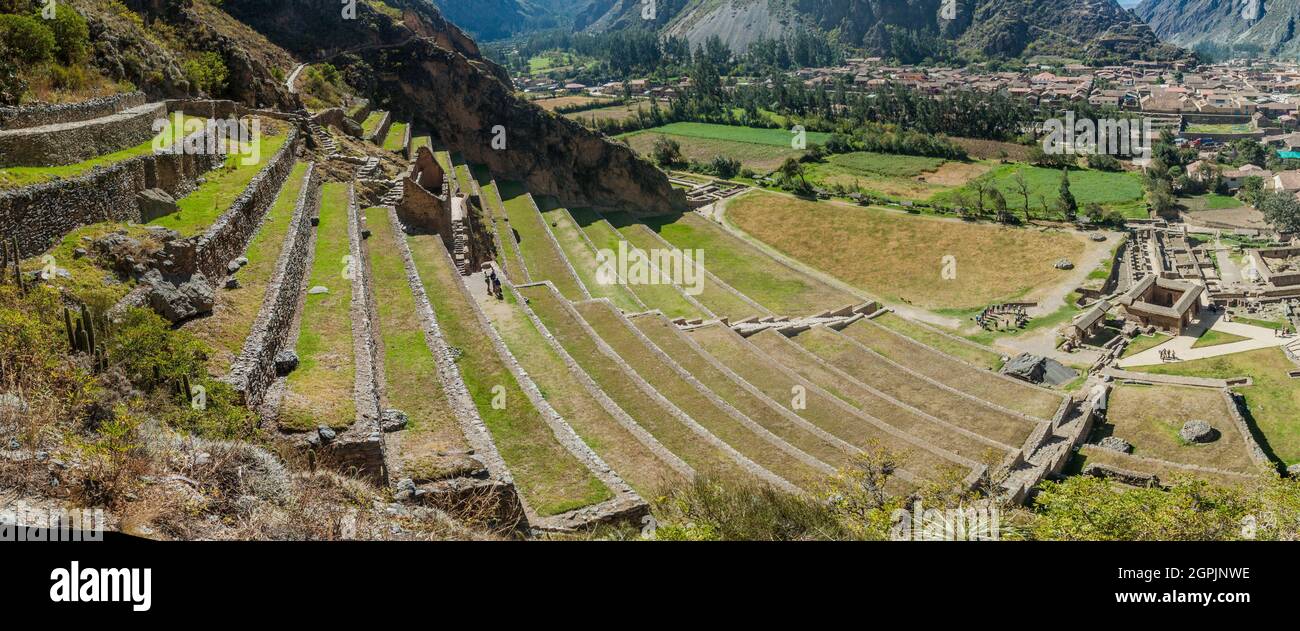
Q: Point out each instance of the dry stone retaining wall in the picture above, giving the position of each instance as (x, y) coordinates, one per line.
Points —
(41, 114)
(69, 143)
(41, 214)
(227, 238)
(254, 371)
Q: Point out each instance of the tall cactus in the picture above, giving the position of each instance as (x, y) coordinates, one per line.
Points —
(67, 326)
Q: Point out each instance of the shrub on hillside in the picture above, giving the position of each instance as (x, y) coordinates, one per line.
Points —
(11, 85)
(71, 35)
(207, 73)
(31, 41)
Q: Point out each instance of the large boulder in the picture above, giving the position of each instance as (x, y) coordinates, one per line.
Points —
(1038, 369)
(155, 203)
(1115, 443)
(1198, 431)
(180, 300)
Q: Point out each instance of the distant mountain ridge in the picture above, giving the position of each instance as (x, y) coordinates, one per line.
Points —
(1092, 29)
(1258, 26)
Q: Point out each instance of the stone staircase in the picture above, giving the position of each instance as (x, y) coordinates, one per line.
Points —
(324, 138)
(394, 195)
(460, 247)
(367, 170)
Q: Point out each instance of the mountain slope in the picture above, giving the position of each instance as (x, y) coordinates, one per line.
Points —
(1264, 27)
(1094, 29)
(489, 20)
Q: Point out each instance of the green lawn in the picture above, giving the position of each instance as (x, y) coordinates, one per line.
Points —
(396, 135)
(1215, 201)
(204, 205)
(509, 260)
(15, 177)
(1273, 400)
(1114, 191)
(885, 164)
(751, 272)
(1268, 324)
(754, 135)
(1144, 342)
(1215, 338)
(320, 390)
(544, 260)
(1220, 128)
(665, 297)
(411, 373)
(420, 141)
(583, 258)
(371, 124)
(227, 329)
(549, 477)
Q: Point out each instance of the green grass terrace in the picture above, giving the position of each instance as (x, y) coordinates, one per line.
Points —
(17, 177)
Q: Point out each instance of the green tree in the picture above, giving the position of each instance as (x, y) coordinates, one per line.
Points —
(31, 41)
(1067, 205)
(1282, 210)
(666, 152)
(71, 35)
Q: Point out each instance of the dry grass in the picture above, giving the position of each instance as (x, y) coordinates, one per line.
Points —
(619, 386)
(1166, 473)
(232, 319)
(1149, 418)
(690, 400)
(912, 390)
(320, 390)
(900, 257)
(665, 297)
(969, 352)
(583, 259)
(611, 441)
(900, 417)
(1021, 397)
(544, 260)
(666, 336)
(759, 157)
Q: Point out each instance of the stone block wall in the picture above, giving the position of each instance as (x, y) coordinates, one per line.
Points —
(41, 214)
(227, 238)
(40, 114)
(69, 143)
(254, 371)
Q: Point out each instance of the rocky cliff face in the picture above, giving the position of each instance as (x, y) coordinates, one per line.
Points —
(423, 67)
(1251, 26)
(473, 112)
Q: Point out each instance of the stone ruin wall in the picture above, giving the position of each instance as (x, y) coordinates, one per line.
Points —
(42, 214)
(69, 143)
(227, 238)
(57, 113)
(254, 371)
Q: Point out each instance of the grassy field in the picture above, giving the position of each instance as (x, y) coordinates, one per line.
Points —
(14, 177)
(320, 390)
(1273, 400)
(819, 409)
(204, 205)
(420, 141)
(664, 297)
(980, 357)
(894, 176)
(549, 477)
(752, 135)
(619, 386)
(396, 136)
(690, 400)
(1167, 474)
(665, 335)
(1220, 128)
(1215, 338)
(411, 373)
(1113, 191)
(1150, 417)
(748, 270)
(712, 295)
(613, 112)
(900, 257)
(553, 103)
(579, 253)
(983, 384)
(371, 124)
(1144, 342)
(854, 393)
(924, 396)
(618, 447)
(509, 259)
(232, 319)
(759, 157)
(543, 259)
(1211, 201)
